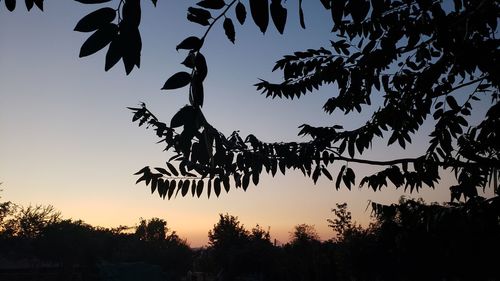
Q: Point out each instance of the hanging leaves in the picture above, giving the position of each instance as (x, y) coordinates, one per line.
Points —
(130, 45)
(176, 81)
(278, 14)
(337, 9)
(131, 13)
(99, 40)
(367, 45)
(260, 13)
(96, 20)
(229, 29)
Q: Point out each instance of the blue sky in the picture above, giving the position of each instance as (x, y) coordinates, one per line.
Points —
(66, 137)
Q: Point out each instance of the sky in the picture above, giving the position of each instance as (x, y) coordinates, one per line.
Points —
(66, 137)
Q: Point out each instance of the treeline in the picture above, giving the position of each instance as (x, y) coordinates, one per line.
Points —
(410, 240)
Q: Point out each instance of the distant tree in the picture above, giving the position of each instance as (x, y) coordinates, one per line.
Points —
(153, 230)
(228, 232)
(28, 222)
(444, 242)
(7, 209)
(303, 233)
(236, 251)
(342, 224)
(71, 243)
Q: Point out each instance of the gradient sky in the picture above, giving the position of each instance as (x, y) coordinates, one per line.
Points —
(66, 137)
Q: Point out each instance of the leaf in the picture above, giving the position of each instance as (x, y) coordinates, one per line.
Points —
(180, 184)
(241, 13)
(337, 10)
(190, 43)
(198, 19)
(349, 173)
(99, 40)
(172, 169)
(212, 4)
(301, 15)
(114, 54)
(199, 188)
(201, 14)
(131, 13)
(369, 47)
(225, 182)
(171, 188)
(326, 4)
(96, 20)
(246, 181)
(229, 29)
(176, 81)
(162, 187)
(185, 188)
(10, 4)
(154, 184)
(327, 173)
(278, 14)
(339, 177)
(255, 177)
(189, 60)
(217, 186)
(260, 13)
(316, 174)
(39, 4)
(143, 170)
(29, 4)
(196, 94)
(183, 116)
(130, 44)
(201, 66)
(92, 1)
(209, 188)
(350, 146)
(163, 171)
(452, 103)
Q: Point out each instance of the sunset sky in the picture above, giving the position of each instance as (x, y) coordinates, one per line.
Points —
(66, 137)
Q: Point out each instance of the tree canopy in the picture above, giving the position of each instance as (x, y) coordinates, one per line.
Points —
(408, 62)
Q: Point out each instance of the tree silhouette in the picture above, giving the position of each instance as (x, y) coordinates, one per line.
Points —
(417, 60)
(429, 60)
(152, 230)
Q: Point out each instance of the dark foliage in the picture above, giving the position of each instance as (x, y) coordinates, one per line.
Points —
(73, 248)
(410, 240)
(430, 61)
